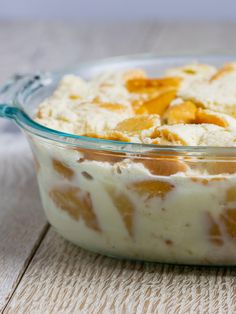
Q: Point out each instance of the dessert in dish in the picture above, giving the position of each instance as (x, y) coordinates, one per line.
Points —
(167, 206)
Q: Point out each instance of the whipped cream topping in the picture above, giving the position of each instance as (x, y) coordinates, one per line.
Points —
(193, 105)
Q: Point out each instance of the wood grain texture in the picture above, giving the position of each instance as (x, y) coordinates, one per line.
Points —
(62, 278)
(65, 279)
(21, 217)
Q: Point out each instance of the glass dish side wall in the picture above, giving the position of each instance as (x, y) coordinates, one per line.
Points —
(165, 209)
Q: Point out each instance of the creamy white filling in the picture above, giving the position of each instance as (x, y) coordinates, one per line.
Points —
(172, 229)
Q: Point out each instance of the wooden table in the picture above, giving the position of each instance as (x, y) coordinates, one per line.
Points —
(42, 273)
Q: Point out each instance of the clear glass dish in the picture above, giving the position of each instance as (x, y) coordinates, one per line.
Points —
(144, 202)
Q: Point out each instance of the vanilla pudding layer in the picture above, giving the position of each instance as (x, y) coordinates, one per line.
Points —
(120, 208)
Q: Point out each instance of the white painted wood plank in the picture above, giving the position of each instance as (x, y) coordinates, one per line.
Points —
(21, 218)
(65, 279)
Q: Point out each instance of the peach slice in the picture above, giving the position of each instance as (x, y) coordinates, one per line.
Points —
(157, 105)
(182, 113)
(206, 181)
(127, 128)
(137, 124)
(231, 194)
(163, 166)
(221, 167)
(132, 127)
(227, 68)
(112, 107)
(117, 107)
(99, 155)
(144, 85)
(62, 169)
(76, 203)
(169, 136)
(229, 219)
(215, 235)
(109, 135)
(124, 207)
(204, 116)
(118, 136)
(151, 188)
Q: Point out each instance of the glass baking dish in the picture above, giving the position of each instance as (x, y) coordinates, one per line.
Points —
(172, 204)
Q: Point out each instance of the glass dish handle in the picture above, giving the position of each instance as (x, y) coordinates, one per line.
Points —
(7, 95)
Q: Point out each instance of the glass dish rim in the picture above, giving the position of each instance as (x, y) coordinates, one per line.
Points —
(31, 126)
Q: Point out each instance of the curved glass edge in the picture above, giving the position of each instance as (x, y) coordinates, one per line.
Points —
(43, 132)
(45, 78)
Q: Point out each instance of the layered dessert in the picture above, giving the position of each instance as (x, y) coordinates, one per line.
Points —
(164, 205)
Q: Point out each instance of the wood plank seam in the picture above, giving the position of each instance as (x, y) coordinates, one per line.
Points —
(27, 264)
